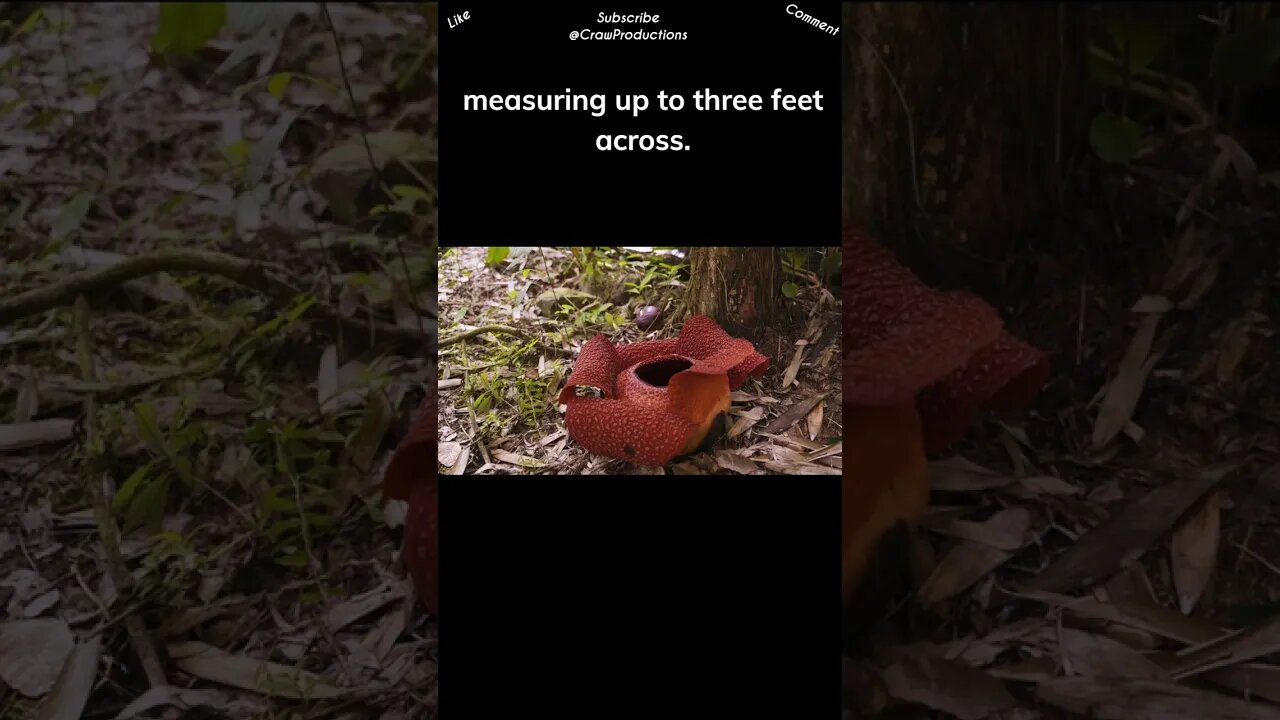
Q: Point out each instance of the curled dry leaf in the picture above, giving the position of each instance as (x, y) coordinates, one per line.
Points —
(814, 421)
(1125, 389)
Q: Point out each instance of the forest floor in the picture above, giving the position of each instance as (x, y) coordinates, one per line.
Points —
(499, 390)
(1118, 550)
(232, 401)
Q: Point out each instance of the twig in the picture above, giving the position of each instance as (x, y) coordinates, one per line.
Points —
(107, 530)
(373, 165)
(244, 272)
(481, 330)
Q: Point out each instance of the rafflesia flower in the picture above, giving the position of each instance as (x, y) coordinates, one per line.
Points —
(658, 399)
(411, 476)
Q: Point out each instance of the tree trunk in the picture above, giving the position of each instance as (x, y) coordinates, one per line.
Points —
(961, 120)
(735, 286)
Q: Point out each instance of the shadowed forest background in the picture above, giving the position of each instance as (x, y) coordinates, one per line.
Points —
(1108, 176)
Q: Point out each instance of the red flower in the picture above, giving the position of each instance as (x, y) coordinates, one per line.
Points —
(412, 476)
(658, 398)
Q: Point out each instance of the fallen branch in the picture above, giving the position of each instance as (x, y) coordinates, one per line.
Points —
(500, 329)
(480, 331)
(244, 272)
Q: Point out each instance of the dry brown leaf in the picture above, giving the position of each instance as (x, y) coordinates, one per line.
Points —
(21, 436)
(789, 376)
(1125, 389)
(327, 375)
(960, 475)
(735, 462)
(32, 653)
(1256, 680)
(970, 561)
(1128, 699)
(241, 671)
(1155, 619)
(1098, 656)
(1125, 535)
(948, 686)
(814, 421)
(1232, 348)
(1049, 485)
(1193, 552)
(792, 415)
(1250, 644)
(447, 453)
(68, 698)
(514, 459)
(220, 701)
(744, 421)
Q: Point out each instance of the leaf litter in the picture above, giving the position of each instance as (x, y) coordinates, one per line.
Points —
(225, 417)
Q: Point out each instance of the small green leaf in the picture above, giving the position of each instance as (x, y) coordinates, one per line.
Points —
(1115, 139)
(278, 84)
(237, 153)
(71, 215)
(496, 255)
(147, 508)
(126, 493)
(171, 204)
(94, 88)
(830, 262)
(411, 191)
(30, 23)
(298, 559)
(1143, 40)
(186, 27)
(790, 289)
(144, 414)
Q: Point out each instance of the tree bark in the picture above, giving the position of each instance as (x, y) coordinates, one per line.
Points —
(961, 119)
(737, 287)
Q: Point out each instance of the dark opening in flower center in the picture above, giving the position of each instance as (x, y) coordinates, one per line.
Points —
(659, 372)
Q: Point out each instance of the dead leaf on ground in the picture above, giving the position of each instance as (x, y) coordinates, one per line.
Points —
(21, 436)
(960, 475)
(1126, 535)
(247, 673)
(735, 462)
(1193, 552)
(970, 561)
(68, 698)
(1099, 656)
(792, 415)
(1250, 644)
(1125, 389)
(948, 686)
(789, 375)
(814, 421)
(1127, 699)
(32, 653)
(219, 701)
(1257, 680)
